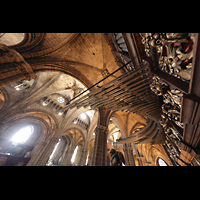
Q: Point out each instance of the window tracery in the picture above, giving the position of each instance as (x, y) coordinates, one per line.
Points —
(60, 99)
(78, 121)
(84, 119)
(55, 102)
(22, 85)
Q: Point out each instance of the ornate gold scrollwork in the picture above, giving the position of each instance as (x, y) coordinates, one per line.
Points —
(175, 52)
(171, 99)
(170, 112)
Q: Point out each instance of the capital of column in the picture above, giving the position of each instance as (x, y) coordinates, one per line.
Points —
(102, 128)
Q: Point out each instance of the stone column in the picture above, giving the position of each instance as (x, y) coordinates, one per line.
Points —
(36, 154)
(128, 152)
(68, 156)
(78, 156)
(47, 152)
(100, 146)
(83, 157)
(64, 156)
(90, 158)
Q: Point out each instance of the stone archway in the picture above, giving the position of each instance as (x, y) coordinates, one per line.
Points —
(12, 39)
(20, 141)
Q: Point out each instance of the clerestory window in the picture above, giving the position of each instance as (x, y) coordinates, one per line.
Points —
(22, 135)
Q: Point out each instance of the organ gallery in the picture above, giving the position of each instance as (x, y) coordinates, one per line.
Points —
(99, 99)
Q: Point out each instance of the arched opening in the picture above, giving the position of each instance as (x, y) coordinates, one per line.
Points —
(161, 162)
(2, 99)
(68, 70)
(84, 119)
(21, 136)
(68, 149)
(74, 155)
(64, 89)
(77, 139)
(57, 154)
(11, 39)
(89, 152)
(18, 142)
(114, 134)
(22, 85)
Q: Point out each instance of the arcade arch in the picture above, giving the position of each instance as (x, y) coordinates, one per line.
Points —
(21, 139)
(11, 39)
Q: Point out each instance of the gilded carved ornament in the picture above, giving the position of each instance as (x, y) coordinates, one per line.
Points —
(170, 112)
(171, 99)
(174, 50)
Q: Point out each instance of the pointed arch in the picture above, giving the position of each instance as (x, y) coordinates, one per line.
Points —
(29, 41)
(78, 140)
(65, 67)
(117, 119)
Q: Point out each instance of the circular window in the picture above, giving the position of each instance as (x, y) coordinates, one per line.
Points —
(60, 99)
(161, 162)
